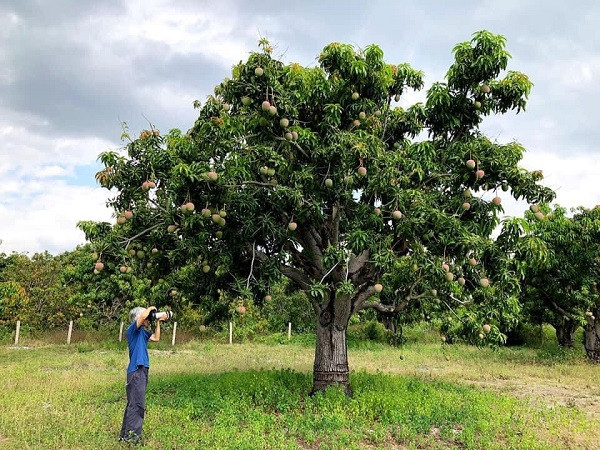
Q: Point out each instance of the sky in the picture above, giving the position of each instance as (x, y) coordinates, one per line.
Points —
(71, 71)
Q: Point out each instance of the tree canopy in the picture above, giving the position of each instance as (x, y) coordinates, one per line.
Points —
(319, 175)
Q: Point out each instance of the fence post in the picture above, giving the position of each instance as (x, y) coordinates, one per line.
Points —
(231, 332)
(70, 331)
(121, 333)
(174, 333)
(17, 332)
(289, 330)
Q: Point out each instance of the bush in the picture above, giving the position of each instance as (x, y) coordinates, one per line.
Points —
(371, 330)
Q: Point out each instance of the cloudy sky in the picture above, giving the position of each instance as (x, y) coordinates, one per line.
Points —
(72, 70)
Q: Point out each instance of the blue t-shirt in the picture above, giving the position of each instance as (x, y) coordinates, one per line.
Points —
(137, 340)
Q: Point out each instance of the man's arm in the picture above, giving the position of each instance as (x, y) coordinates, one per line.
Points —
(155, 337)
(144, 316)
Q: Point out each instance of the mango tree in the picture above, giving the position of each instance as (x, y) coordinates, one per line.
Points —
(317, 174)
(559, 260)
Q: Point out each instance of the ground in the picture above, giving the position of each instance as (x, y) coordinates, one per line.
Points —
(208, 394)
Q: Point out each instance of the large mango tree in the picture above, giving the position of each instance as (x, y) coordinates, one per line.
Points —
(318, 175)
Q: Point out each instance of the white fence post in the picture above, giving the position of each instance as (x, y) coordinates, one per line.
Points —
(17, 332)
(289, 330)
(70, 331)
(231, 332)
(174, 333)
(121, 333)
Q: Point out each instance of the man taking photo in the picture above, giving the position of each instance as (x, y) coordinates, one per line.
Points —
(137, 371)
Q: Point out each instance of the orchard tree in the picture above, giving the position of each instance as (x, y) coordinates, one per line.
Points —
(13, 303)
(318, 175)
(40, 277)
(559, 261)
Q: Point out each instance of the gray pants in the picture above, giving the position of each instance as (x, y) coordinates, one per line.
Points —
(133, 419)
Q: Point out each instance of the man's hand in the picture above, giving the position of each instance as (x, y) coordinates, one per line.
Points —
(144, 316)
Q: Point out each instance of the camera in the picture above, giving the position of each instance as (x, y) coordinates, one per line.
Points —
(154, 315)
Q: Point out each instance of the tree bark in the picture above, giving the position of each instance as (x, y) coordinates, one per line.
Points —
(565, 331)
(331, 352)
(591, 337)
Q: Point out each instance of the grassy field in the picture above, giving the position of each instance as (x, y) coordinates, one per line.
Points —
(254, 395)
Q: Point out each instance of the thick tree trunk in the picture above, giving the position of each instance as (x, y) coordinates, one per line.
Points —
(331, 352)
(565, 331)
(591, 338)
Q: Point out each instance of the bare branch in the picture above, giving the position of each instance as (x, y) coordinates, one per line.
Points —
(295, 144)
(325, 276)
(251, 264)
(141, 233)
(157, 205)
(452, 310)
(462, 302)
(258, 183)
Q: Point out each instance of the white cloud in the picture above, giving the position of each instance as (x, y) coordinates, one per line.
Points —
(52, 171)
(47, 221)
(39, 208)
(27, 142)
(214, 32)
(573, 178)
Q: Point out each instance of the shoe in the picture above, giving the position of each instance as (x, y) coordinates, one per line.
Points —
(134, 439)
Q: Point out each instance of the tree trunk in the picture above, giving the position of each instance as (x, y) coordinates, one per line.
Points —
(591, 337)
(565, 332)
(331, 352)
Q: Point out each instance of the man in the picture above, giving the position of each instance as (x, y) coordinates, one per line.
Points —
(137, 371)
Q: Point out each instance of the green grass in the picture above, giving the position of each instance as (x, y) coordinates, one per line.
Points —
(254, 395)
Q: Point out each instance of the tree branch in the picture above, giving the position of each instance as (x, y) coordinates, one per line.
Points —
(357, 262)
(364, 292)
(389, 309)
(157, 205)
(317, 237)
(309, 245)
(295, 144)
(335, 224)
(559, 310)
(462, 302)
(141, 233)
(330, 270)
(251, 264)
(258, 183)
(297, 276)
(300, 260)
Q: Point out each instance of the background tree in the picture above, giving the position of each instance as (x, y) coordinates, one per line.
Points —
(314, 174)
(13, 303)
(40, 278)
(558, 260)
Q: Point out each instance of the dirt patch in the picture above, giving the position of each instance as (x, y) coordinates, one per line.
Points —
(547, 393)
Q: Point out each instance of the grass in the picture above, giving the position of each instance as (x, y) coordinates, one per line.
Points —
(254, 395)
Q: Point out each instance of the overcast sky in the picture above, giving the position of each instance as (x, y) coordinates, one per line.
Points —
(72, 70)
